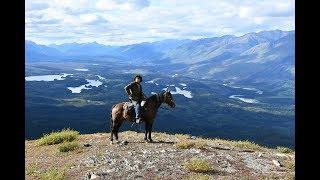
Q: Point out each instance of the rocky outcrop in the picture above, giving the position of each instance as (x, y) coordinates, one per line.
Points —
(132, 158)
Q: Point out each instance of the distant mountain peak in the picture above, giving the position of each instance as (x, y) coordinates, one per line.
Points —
(251, 34)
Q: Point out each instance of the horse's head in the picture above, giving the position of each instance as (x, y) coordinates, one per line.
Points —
(168, 99)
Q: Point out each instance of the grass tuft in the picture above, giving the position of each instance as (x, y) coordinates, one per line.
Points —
(247, 145)
(182, 136)
(200, 145)
(31, 169)
(284, 149)
(184, 145)
(53, 174)
(290, 176)
(197, 177)
(187, 144)
(198, 165)
(68, 146)
(290, 164)
(65, 135)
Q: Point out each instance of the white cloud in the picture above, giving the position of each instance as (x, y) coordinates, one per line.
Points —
(121, 4)
(109, 5)
(245, 12)
(36, 6)
(118, 22)
(90, 19)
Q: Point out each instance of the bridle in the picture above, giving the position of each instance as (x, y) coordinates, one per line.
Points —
(159, 101)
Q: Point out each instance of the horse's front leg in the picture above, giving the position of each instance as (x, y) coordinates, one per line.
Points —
(146, 131)
(111, 137)
(150, 129)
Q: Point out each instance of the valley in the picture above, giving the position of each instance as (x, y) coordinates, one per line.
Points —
(82, 100)
(230, 87)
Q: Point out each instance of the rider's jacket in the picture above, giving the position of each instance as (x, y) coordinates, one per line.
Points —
(134, 91)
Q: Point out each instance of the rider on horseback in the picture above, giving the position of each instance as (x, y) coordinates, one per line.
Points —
(136, 96)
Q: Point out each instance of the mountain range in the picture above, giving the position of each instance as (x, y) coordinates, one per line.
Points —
(266, 56)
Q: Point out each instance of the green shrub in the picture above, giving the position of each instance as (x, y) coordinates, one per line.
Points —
(68, 146)
(66, 135)
(198, 165)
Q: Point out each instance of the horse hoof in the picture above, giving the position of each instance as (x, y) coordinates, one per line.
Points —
(148, 140)
(111, 142)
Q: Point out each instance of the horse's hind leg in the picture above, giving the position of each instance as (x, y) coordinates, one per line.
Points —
(116, 129)
(150, 129)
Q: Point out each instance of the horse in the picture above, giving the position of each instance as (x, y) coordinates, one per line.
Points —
(119, 114)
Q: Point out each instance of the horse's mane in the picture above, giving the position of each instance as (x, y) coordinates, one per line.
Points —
(153, 97)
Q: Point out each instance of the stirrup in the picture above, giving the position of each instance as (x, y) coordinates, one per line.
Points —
(139, 120)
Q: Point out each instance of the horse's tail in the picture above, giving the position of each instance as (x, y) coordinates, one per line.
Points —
(111, 120)
(114, 121)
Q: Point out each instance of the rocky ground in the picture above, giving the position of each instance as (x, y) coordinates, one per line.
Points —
(133, 158)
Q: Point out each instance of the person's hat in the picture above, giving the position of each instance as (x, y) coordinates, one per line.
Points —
(139, 76)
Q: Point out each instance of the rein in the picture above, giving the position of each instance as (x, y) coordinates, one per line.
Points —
(166, 108)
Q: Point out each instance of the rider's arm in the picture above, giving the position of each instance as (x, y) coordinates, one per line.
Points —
(127, 88)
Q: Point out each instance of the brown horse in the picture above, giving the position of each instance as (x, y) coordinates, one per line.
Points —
(119, 115)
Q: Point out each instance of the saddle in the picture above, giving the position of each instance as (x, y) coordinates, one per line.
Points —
(129, 112)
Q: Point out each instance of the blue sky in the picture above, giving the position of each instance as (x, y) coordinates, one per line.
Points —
(120, 22)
